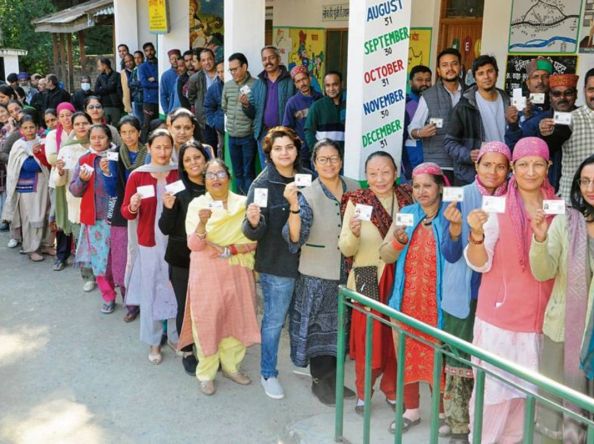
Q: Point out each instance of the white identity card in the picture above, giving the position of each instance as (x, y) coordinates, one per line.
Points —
(69, 160)
(363, 212)
(245, 89)
(493, 204)
(561, 118)
(453, 194)
(175, 187)
(216, 205)
(303, 180)
(438, 122)
(405, 220)
(146, 191)
(87, 168)
(519, 103)
(553, 206)
(537, 98)
(113, 156)
(261, 197)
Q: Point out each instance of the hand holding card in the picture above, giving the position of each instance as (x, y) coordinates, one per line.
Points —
(216, 205)
(113, 156)
(553, 206)
(175, 187)
(405, 220)
(363, 212)
(146, 191)
(261, 197)
(303, 180)
(493, 204)
(453, 194)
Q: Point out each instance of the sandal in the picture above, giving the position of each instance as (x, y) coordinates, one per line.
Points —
(155, 357)
(406, 425)
(131, 316)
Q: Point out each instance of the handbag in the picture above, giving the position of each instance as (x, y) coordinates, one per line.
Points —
(366, 281)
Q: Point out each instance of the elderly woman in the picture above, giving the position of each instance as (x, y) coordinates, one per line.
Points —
(27, 198)
(193, 158)
(360, 241)
(417, 282)
(567, 244)
(221, 306)
(148, 278)
(460, 284)
(511, 302)
(277, 265)
(313, 229)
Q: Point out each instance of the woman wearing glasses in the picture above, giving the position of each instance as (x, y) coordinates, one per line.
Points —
(221, 305)
(567, 244)
(315, 229)
(94, 108)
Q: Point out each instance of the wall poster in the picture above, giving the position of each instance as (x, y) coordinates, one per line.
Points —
(515, 75)
(419, 49)
(206, 26)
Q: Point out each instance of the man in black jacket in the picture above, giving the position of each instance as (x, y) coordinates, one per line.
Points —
(80, 96)
(54, 95)
(108, 88)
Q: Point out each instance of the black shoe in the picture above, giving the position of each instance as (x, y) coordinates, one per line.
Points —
(324, 391)
(163, 339)
(190, 363)
(3, 227)
(59, 265)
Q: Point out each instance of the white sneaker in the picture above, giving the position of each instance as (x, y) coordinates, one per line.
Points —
(89, 286)
(272, 387)
(12, 243)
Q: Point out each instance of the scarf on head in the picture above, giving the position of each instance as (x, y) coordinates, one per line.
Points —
(379, 216)
(59, 127)
(125, 156)
(430, 168)
(224, 226)
(493, 147)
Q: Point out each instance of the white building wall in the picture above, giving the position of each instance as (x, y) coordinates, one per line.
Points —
(126, 29)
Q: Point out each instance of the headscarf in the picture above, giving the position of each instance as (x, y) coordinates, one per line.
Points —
(527, 146)
(62, 106)
(539, 64)
(493, 147)
(430, 168)
(567, 80)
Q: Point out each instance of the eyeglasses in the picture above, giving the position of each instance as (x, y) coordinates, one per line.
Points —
(94, 106)
(585, 182)
(325, 160)
(566, 93)
(218, 175)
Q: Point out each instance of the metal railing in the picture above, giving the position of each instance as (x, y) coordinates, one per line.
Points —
(451, 346)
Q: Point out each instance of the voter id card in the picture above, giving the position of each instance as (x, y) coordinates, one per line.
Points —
(261, 197)
(553, 206)
(405, 220)
(453, 194)
(493, 204)
(363, 212)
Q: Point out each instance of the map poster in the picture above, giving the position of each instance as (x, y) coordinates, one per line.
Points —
(515, 75)
(586, 43)
(539, 26)
(419, 49)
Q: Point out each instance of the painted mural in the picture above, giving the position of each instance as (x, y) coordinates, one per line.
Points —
(302, 46)
(206, 25)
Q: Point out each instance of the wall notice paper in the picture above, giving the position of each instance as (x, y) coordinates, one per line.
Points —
(217, 205)
(537, 98)
(405, 220)
(438, 122)
(363, 212)
(555, 206)
(113, 156)
(146, 191)
(453, 194)
(303, 180)
(493, 204)
(261, 197)
(561, 118)
(175, 187)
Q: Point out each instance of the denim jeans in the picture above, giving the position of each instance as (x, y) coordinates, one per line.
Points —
(278, 293)
(243, 153)
(137, 111)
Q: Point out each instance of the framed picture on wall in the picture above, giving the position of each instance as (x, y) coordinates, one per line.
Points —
(515, 75)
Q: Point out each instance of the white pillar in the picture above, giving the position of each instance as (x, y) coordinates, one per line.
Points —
(11, 64)
(377, 63)
(244, 31)
(178, 36)
(125, 25)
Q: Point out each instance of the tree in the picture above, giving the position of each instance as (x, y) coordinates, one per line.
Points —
(18, 32)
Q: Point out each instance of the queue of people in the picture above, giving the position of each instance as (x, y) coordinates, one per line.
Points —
(150, 210)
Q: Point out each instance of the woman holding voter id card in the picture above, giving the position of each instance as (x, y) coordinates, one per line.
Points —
(413, 242)
(220, 316)
(460, 284)
(511, 302)
(172, 223)
(88, 183)
(314, 230)
(367, 216)
(568, 351)
(147, 273)
(267, 212)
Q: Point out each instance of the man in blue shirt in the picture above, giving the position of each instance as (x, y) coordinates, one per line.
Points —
(147, 76)
(168, 86)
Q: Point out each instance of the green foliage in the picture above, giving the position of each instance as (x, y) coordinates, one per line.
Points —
(18, 32)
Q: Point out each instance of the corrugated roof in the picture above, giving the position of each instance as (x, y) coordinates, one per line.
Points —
(74, 19)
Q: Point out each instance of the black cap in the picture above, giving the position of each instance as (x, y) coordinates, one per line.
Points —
(12, 77)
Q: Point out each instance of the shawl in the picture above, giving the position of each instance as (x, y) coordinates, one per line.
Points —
(140, 157)
(224, 226)
(379, 216)
(499, 191)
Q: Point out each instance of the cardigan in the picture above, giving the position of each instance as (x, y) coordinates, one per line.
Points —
(548, 260)
(148, 207)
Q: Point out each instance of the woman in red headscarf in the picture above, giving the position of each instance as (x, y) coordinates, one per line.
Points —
(511, 302)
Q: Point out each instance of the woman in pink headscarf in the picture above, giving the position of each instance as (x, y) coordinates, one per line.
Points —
(511, 302)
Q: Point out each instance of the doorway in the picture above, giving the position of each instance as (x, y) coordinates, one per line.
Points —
(337, 42)
(461, 27)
